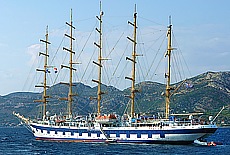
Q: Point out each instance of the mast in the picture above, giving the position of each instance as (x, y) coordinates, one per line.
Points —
(45, 71)
(168, 74)
(99, 63)
(133, 60)
(70, 67)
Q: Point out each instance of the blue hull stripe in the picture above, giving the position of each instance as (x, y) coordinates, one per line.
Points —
(127, 132)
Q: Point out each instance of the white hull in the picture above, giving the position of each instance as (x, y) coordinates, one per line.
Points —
(175, 134)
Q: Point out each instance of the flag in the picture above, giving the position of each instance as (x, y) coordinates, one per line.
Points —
(47, 70)
(55, 70)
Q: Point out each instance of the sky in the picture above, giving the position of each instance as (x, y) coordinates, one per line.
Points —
(201, 29)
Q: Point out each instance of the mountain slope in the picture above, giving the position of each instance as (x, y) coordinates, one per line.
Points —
(209, 93)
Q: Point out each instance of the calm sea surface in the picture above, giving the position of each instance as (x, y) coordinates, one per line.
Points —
(20, 141)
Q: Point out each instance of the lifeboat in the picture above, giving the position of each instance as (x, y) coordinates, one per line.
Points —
(59, 121)
(106, 119)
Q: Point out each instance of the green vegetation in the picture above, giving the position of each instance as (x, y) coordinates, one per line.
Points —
(210, 93)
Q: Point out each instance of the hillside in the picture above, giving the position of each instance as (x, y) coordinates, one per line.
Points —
(210, 92)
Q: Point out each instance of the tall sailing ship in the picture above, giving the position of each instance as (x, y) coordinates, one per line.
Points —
(111, 127)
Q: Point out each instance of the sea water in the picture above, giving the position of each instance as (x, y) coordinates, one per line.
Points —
(18, 140)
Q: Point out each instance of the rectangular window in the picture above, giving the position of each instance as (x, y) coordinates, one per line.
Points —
(149, 135)
(162, 135)
(138, 135)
